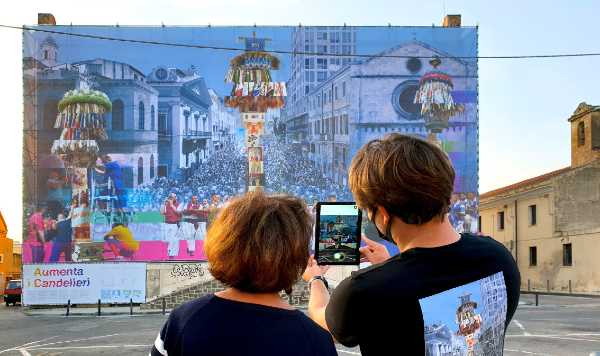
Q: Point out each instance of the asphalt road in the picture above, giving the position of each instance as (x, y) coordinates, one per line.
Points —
(559, 326)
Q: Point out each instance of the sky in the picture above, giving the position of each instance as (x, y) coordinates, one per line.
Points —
(524, 104)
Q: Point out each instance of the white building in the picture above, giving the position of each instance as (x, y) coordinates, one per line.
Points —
(224, 121)
(184, 125)
(308, 71)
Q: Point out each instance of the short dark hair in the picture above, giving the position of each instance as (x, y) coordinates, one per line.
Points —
(259, 243)
(410, 177)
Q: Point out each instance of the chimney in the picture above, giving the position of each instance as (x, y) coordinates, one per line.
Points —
(46, 19)
(451, 21)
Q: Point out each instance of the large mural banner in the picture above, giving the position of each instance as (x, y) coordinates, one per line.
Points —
(135, 137)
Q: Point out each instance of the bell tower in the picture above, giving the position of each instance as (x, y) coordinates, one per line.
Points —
(585, 135)
(49, 52)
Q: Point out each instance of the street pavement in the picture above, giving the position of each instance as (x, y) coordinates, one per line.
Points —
(559, 326)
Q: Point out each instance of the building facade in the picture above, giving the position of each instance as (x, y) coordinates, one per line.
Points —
(131, 126)
(224, 121)
(551, 223)
(184, 125)
(10, 258)
(366, 100)
(308, 71)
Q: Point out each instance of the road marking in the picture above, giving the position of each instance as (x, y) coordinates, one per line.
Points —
(520, 326)
(348, 352)
(24, 352)
(89, 347)
(36, 342)
(527, 352)
(557, 337)
(70, 341)
(554, 335)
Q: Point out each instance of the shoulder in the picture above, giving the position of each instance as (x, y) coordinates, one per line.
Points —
(319, 338)
(486, 244)
(182, 314)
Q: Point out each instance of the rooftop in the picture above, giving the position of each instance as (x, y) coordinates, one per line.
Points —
(525, 183)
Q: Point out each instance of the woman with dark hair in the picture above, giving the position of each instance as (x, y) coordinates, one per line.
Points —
(257, 246)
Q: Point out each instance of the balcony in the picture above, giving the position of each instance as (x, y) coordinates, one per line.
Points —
(193, 134)
(325, 137)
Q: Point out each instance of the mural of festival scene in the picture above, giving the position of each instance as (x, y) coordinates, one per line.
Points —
(130, 149)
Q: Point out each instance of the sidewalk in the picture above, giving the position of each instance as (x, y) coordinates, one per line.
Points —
(93, 311)
(90, 311)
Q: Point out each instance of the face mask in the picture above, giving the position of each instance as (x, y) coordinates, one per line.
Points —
(388, 229)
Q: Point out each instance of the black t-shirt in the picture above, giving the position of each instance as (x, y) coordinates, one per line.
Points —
(451, 300)
(213, 326)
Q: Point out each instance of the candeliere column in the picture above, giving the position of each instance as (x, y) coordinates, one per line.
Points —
(253, 93)
(81, 118)
(437, 104)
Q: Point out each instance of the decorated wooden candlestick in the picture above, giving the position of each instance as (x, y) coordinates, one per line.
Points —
(81, 118)
(435, 97)
(253, 93)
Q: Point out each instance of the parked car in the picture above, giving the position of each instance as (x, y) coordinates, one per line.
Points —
(12, 292)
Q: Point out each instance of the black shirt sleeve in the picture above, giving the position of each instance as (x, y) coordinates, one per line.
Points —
(341, 313)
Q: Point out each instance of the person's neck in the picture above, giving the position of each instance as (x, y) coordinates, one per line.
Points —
(434, 233)
(268, 299)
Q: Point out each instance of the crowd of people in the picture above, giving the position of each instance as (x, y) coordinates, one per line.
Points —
(224, 173)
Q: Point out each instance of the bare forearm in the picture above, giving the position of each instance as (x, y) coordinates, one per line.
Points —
(319, 298)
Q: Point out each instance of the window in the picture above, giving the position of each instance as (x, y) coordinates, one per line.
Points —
(321, 63)
(151, 166)
(567, 255)
(346, 49)
(479, 224)
(345, 61)
(309, 63)
(1, 258)
(500, 220)
(321, 49)
(309, 76)
(152, 118)
(306, 89)
(45, 54)
(162, 123)
(321, 35)
(117, 115)
(344, 89)
(321, 76)
(140, 172)
(581, 134)
(596, 133)
(334, 37)
(414, 65)
(346, 37)
(532, 215)
(532, 256)
(336, 93)
(141, 118)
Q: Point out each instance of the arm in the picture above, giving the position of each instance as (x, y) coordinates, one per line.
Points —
(319, 295)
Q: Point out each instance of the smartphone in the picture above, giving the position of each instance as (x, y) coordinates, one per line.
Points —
(337, 233)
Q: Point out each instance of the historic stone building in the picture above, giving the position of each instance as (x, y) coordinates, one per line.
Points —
(131, 126)
(184, 126)
(366, 100)
(551, 223)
